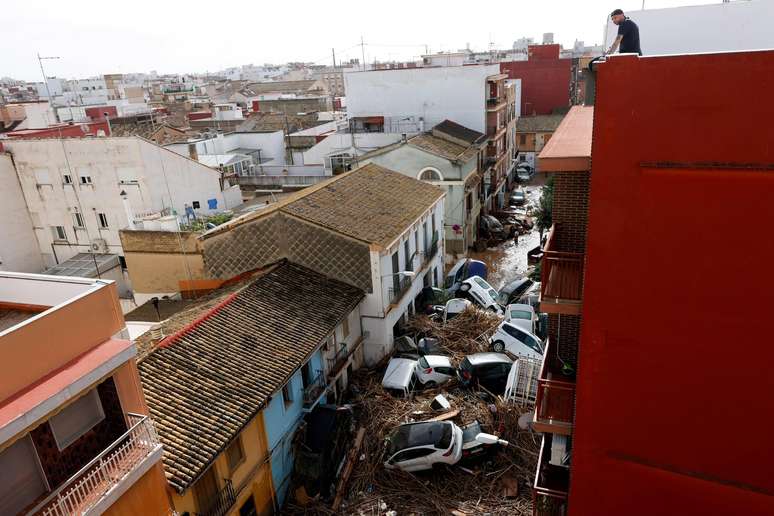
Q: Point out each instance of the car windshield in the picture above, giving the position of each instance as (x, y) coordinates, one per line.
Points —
(521, 314)
(483, 284)
(493, 293)
(421, 434)
(423, 363)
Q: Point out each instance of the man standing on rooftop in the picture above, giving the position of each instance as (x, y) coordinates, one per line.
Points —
(628, 35)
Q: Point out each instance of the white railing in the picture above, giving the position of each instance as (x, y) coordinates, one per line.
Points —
(84, 489)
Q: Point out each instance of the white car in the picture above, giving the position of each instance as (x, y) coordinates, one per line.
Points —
(522, 316)
(418, 446)
(510, 337)
(433, 370)
(482, 293)
(399, 377)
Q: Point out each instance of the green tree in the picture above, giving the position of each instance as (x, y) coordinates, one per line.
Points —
(543, 215)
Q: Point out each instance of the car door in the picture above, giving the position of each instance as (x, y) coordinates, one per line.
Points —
(414, 459)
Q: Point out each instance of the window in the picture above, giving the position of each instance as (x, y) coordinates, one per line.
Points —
(345, 327)
(412, 454)
(522, 139)
(78, 217)
(85, 180)
(430, 174)
(407, 255)
(248, 508)
(522, 158)
(76, 419)
(235, 453)
(23, 481)
(195, 205)
(68, 179)
(521, 314)
(103, 221)
(59, 233)
(306, 375)
(287, 394)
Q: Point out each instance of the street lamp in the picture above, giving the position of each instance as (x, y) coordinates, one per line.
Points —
(408, 274)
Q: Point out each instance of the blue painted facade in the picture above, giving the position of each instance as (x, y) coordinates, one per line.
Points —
(281, 420)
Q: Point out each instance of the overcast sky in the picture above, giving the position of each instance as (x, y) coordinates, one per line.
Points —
(97, 37)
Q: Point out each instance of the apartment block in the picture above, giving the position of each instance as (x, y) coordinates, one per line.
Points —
(75, 436)
(636, 391)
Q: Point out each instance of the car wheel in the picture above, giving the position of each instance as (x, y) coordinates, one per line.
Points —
(431, 385)
(498, 346)
(464, 287)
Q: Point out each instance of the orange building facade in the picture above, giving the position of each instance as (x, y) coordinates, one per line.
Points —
(75, 436)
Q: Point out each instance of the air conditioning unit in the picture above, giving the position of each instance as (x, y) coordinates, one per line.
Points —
(99, 245)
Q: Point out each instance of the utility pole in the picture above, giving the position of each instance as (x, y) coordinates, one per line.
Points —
(362, 50)
(335, 81)
(45, 83)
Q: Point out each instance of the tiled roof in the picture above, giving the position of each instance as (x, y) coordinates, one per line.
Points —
(443, 148)
(206, 382)
(371, 203)
(459, 132)
(538, 123)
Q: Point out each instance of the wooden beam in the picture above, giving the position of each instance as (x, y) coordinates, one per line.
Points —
(351, 459)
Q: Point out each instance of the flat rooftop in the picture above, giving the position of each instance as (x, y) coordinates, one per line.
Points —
(569, 149)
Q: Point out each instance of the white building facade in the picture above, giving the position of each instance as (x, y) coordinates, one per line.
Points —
(415, 99)
(80, 192)
(19, 251)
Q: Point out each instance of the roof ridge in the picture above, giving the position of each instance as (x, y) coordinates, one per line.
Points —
(168, 341)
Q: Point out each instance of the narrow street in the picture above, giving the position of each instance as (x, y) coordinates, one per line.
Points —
(508, 260)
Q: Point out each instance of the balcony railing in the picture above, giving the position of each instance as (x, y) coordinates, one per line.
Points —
(108, 469)
(555, 401)
(549, 493)
(222, 502)
(337, 361)
(561, 278)
(314, 390)
(399, 288)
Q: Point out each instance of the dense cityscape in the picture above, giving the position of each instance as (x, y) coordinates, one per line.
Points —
(394, 287)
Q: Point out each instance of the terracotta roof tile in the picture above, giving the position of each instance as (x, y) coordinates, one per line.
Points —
(371, 203)
(205, 383)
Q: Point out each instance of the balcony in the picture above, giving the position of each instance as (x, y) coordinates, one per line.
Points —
(222, 502)
(555, 400)
(495, 103)
(341, 359)
(552, 483)
(561, 290)
(108, 472)
(400, 286)
(314, 391)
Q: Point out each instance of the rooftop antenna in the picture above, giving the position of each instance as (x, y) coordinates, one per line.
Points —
(45, 82)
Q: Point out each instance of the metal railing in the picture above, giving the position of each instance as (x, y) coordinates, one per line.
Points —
(314, 390)
(561, 273)
(337, 361)
(84, 489)
(400, 287)
(222, 502)
(549, 492)
(555, 400)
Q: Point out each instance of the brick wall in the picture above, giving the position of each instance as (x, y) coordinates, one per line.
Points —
(565, 331)
(158, 241)
(571, 209)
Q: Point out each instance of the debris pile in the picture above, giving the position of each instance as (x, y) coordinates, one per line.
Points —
(498, 484)
(466, 333)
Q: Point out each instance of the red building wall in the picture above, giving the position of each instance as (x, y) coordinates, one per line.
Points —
(545, 80)
(675, 370)
(63, 131)
(98, 112)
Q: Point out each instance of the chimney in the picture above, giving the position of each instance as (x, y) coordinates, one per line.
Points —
(192, 152)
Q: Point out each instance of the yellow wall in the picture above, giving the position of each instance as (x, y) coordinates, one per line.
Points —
(251, 477)
(148, 496)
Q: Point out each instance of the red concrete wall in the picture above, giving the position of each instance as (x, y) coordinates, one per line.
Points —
(536, 52)
(675, 370)
(98, 113)
(545, 83)
(75, 130)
